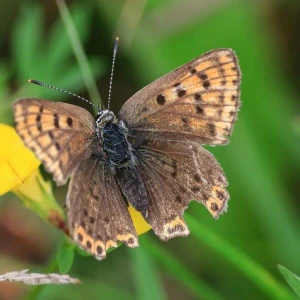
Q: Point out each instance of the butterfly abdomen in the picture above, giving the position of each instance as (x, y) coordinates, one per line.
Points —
(133, 188)
(115, 145)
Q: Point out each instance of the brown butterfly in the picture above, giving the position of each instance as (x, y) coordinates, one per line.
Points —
(150, 155)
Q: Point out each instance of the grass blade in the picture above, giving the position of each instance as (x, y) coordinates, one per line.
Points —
(79, 53)
(178, 271)
(147, 282)
(292, 279)
(262, 278)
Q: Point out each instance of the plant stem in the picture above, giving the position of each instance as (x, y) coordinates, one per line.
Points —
(262, 278)
(79, 53)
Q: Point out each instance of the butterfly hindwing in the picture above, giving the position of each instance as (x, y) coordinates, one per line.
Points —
(175, 173)
(58, 133)
(197, 102)
(98, 215)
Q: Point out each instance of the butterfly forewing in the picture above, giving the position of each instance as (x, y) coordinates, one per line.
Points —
(98, 215)
(197, 102)
(58, 133)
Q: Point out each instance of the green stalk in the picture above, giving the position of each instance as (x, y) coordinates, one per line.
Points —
(79, 53)
(178, 270)
(148, 283)
(256, 273)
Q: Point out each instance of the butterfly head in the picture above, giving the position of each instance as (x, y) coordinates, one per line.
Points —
(104, 117)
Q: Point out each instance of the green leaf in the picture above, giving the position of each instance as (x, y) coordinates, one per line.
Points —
(27, 40)
(146, 278)
(59, 46)
(292, 279)
(81, 252)
(50, 58)
(65, 257)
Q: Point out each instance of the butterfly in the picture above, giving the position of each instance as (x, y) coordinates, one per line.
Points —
(149, 155)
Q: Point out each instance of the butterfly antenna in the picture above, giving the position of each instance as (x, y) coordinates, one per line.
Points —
(112, 70)
(60, 90)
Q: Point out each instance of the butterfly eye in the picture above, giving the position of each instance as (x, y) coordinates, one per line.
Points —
(104, 117)
(99, 115)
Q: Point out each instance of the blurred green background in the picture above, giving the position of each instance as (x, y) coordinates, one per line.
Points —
(232, 258)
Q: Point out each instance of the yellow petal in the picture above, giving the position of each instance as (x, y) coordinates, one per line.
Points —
(37, 195)
(141, 226)
(17, 162)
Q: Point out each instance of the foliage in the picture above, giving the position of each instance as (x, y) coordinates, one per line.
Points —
(236, 257)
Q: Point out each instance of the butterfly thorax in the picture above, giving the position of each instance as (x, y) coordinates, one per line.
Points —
(113, 138)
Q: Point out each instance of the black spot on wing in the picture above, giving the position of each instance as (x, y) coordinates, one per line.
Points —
(195, 189)
(161, 100)
(99, 249)
(214, 207)
(181, 93)
(197, 97)
(221, 195)
(223, 82)
(57, 146)
(50, 134)
(130, 241)
(197, 178)
(231, 113)
(212, 129)
(70, 122)
(206, 84)
(202, 76)
(56, 120)
(178, 199)
(199, 110)
(80, 237)
(88, 244)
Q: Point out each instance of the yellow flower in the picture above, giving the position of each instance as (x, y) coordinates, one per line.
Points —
(19, 173)
(16, 161)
